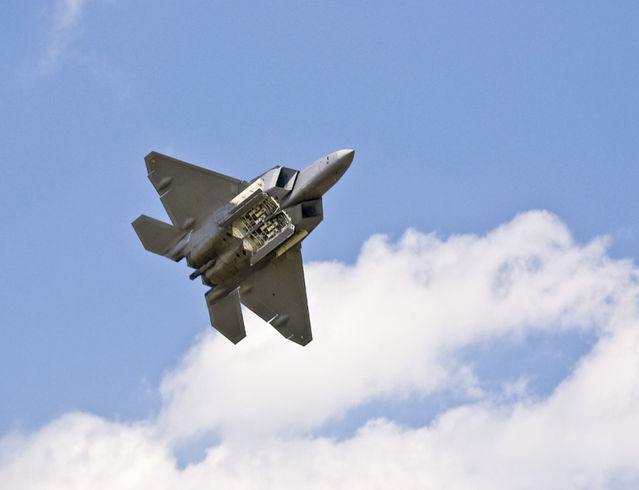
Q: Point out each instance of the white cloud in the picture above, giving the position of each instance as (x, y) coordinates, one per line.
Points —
(390, 325)
(66, 16)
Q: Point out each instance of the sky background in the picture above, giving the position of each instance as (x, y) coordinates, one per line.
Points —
(475, 272)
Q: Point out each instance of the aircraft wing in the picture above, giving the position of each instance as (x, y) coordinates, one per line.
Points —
(277, 294)
(189, 193)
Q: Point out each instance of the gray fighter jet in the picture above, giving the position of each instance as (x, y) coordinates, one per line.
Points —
(242, 238)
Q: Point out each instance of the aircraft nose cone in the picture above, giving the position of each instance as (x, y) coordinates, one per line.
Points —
(339, 163)
(313, 181)
(345, 157)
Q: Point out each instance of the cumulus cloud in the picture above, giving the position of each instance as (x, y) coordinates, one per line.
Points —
(392, 325)
(66, 16)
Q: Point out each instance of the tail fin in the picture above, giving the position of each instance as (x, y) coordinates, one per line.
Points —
(161, 238)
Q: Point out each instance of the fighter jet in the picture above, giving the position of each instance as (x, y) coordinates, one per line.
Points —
(243, 239)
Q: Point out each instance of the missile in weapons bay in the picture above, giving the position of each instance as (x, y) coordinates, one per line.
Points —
(242, 239)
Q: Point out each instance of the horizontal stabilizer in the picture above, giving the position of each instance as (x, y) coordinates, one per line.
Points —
(226, 316)
(160, 238)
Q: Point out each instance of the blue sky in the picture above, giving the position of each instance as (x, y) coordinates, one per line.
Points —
(463, 116)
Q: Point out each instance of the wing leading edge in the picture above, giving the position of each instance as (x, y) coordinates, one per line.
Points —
(277, 294)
